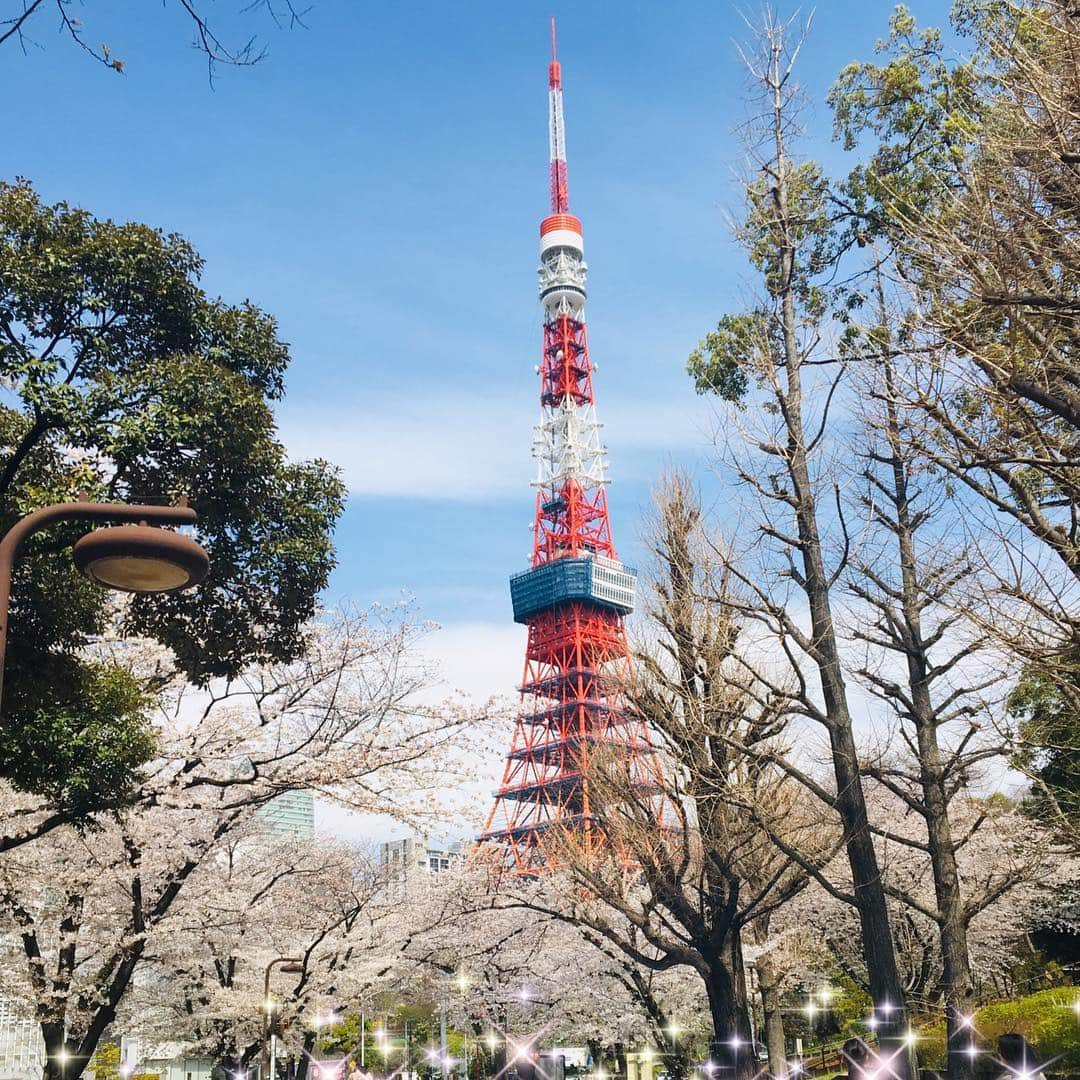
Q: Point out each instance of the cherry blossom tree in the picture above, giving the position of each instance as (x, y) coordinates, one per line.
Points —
(95, 913)
(535, 978)
(1007, 872)
(271, 896)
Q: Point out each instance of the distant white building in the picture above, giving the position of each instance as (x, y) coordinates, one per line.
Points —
(168, 1060)
(22, 1052)
(400, 859)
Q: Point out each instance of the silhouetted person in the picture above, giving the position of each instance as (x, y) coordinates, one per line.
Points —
(1018, 1057)
(856, 1054)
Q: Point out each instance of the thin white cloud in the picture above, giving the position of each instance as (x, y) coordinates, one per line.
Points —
(466, 448)
(478, 659)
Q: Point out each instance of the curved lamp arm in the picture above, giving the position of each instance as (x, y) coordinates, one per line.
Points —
(16, 536)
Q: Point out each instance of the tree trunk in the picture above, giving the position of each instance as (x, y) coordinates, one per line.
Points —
(305, 1056)
(62, 1061)
(731, 1047)
(883, 977)
(676, 1059)
(596, 1053)
(959, 992)
(958, 985)
(619, 1051)
(775, 1038)
(957, 982)
(228, 1067)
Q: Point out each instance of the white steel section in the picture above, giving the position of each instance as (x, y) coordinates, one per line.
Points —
(566, 445)
(557, 133)
(568, 238)
(564, 301)
(562, 283)
(566, 442)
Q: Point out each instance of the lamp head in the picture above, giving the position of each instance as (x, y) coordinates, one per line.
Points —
(141, 559)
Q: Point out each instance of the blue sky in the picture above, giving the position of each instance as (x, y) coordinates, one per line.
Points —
(377, 183)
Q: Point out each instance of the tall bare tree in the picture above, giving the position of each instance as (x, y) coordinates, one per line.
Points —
(927, 663)
(22, 20)
(778, 357)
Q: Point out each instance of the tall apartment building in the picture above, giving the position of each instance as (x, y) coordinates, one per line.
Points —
(291, 814)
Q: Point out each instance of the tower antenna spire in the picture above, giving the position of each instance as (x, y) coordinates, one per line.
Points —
(560, 195)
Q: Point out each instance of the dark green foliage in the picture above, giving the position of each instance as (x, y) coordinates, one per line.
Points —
(809, 237)
(1047, 1019)
(842, 1016)
(129, 382)
(923, 113)
(743, 345)
(81, 747)
(970, 188)
(971, 184)
(718, 364)
(1046, 701)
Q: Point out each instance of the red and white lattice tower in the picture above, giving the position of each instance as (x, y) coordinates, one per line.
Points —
(576, 594)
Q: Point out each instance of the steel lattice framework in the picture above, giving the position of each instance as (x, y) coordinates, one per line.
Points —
(576, 595)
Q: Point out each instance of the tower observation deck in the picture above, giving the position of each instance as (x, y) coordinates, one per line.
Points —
(576, 593)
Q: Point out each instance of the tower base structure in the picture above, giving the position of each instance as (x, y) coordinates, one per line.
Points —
(571, 721)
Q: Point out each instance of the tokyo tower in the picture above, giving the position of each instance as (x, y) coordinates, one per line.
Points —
(576, 594)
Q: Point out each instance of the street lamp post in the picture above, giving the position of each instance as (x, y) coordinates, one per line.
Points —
(136, 557)
(383, 1038)
(502, 1062)
(462, 981)
(672, 1031)
(444, 1051)
(290, 965)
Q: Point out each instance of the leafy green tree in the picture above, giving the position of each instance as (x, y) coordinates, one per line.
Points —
(970, 191)
(972, 184)
(126, 381)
